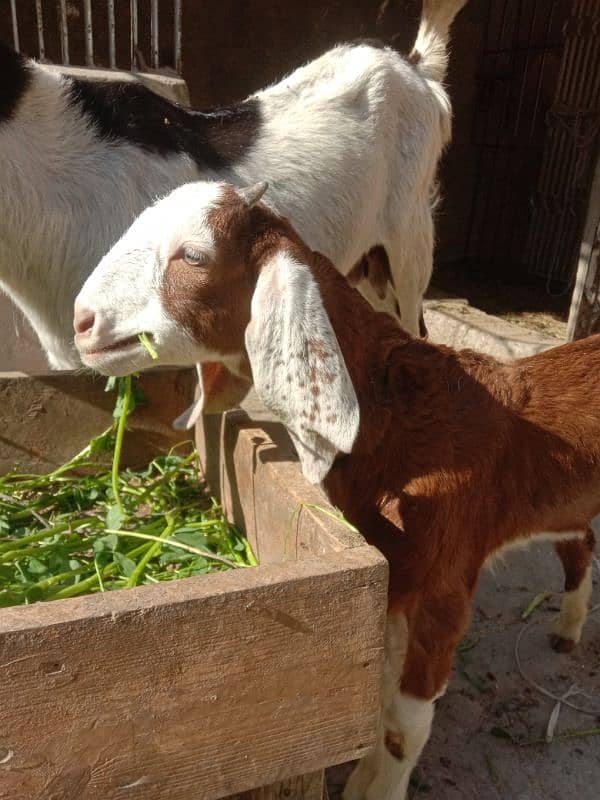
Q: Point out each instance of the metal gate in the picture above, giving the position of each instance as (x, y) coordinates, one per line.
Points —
(572, 142)
(535, 133)
(102, 28)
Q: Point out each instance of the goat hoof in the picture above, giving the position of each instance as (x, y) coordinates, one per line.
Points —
(560, 644)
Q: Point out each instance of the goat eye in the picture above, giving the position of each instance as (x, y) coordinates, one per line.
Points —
(194, 257)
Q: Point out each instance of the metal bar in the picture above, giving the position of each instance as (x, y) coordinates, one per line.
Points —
(578, 325)
(112, 49)
(498, 101)
(40, 29)
(15, 25)
(506, 165)
(177, 26)
(89, 33)
(525, 69)
(538, 91)
(154, 32)
(134, 34)
(64, 32)
(525, 49)
(475, 131)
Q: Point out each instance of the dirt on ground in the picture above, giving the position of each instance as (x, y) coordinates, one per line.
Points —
(488, 739)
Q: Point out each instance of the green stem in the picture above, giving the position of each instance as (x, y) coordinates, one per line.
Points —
(47, 533)
(70, 543)
(83, 587)
(251, 558)
(150, 553)
(122, 424)
(174, 543)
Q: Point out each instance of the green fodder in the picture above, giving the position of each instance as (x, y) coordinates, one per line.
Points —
(88, 527)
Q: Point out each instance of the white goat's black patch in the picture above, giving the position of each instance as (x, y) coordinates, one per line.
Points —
(15, 76)
(130, 112)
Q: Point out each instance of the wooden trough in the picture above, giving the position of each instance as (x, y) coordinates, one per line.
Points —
(250, 681)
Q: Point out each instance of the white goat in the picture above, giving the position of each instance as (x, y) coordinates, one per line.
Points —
(349, 143)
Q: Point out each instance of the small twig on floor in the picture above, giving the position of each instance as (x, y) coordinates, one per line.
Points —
(557, 699)
(502, 733)
(494, 774)
(535, 603)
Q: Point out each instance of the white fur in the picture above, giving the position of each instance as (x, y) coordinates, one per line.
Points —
(381, 775)
(131, 274)
(289, 327)
(349, 144)
(574, 608)
(65, 198)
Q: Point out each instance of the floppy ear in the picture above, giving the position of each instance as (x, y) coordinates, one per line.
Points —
(297, 365)
(218, 390)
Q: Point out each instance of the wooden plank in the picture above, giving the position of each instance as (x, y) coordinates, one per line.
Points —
(47, 419)
(263, 490)
(196, 689)
(305, 787)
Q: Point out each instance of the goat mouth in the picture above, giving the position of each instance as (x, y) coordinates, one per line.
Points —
(120, 344)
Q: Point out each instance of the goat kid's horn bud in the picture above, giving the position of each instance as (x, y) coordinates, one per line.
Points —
(252, 194)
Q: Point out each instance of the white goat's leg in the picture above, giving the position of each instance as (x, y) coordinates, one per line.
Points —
(396, 640)
(411, 261)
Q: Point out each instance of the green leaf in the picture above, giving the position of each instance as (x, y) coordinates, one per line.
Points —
(126, 564)
(193, 538)
(502, 733)
(114, 517)
(108, 542)
(36, 567)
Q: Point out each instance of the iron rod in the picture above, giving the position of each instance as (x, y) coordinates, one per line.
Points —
(134, 33)
(15, 25)
(64, 32)
(89, 33)
(154, 32)
(112, 49)
(40, 29)
(177, 26)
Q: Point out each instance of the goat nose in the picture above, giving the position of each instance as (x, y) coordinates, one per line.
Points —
(83, 320)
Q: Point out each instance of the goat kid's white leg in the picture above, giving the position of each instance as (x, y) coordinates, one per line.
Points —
(573, 610)
(396, 642)
(406, 729)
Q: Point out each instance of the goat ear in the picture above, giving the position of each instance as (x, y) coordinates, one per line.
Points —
(297, 365)
(219, 390)
(252, 194)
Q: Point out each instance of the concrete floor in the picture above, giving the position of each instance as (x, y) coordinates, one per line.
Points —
(463, 760)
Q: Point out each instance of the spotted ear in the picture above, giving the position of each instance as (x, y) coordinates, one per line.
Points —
(219, 390)
(297, 365)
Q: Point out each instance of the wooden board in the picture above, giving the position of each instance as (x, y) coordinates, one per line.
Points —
(253, 468)
(47, 419)
(197, 689)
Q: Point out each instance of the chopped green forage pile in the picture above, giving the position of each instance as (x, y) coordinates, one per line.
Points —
(88, 528)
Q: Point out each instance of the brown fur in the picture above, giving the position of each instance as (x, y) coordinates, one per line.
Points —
(457, 454)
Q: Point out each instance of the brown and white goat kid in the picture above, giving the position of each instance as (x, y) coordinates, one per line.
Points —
(441, 458)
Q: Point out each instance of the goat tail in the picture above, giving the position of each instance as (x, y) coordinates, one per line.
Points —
(430, 51)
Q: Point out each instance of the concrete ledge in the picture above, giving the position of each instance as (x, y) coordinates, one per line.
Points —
(457, 324)
(170, 87)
